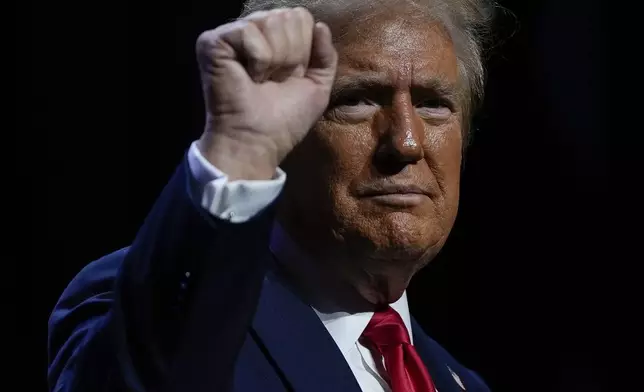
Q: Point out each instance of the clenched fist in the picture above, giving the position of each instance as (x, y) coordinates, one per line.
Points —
(266, 79)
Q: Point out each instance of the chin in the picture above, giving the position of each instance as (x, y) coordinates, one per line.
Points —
(382, 292)
(399, 234)
(404, 259)
(390, 247)
(408, 233)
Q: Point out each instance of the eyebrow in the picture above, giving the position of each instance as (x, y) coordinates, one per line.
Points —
(366, 81)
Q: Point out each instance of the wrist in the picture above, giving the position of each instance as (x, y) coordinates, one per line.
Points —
(239, 157)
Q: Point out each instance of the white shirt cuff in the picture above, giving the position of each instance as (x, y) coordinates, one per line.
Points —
(235, 201)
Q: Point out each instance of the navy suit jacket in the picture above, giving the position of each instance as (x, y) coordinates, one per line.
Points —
(194, 304)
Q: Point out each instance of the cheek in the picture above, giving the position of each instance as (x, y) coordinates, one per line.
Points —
(444, 155)
(349, 150)
(444, 150)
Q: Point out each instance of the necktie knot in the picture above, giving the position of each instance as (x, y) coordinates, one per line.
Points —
(387, 334)
(386, 329)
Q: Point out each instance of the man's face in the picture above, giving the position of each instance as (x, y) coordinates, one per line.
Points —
(378, 176)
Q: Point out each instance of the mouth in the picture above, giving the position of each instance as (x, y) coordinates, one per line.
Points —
(405, 196)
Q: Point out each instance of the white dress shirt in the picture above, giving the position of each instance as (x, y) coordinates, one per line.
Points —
(238, 201)
(346, 330)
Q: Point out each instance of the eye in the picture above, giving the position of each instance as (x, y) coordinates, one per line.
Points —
(432, 103)
(434, 108)
(352, 108)
(352, 100)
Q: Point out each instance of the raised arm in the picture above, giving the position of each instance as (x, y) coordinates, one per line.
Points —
(171, 312)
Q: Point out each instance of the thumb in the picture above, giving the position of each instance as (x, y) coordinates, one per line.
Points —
(324, 58)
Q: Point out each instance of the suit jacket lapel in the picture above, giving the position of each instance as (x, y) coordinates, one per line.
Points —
(299, 343)
(438, 369)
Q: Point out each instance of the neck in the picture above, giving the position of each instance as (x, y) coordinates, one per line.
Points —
(324, 280)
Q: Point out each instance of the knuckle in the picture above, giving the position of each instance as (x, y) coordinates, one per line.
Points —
(273, 20)
(272, 16)
(261, 59)
(206, 42)
(256, 15)
(209, 39)
(256, 51)
(303, 14)
(204, 39)
(249, 29)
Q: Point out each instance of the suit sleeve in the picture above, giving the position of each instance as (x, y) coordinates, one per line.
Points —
(171, 312)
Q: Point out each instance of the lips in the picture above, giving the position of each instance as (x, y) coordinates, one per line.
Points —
(394, 189)
(396, 195)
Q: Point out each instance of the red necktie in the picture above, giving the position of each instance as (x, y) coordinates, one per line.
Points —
(387, 334)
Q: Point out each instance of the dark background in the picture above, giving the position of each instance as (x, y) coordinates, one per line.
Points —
(522, 292)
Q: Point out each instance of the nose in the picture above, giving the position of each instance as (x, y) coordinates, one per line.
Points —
(403, 134)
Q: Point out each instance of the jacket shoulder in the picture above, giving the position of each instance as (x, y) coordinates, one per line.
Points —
(80, 312)
(95, 278)
(444, 364)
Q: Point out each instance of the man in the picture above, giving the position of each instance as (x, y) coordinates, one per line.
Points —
(228, 286)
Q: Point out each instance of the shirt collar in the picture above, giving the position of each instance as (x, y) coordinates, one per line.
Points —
(345, 328)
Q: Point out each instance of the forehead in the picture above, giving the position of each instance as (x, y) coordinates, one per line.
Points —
(403, 50)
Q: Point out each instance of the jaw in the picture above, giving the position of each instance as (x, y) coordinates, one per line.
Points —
(367, 252)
